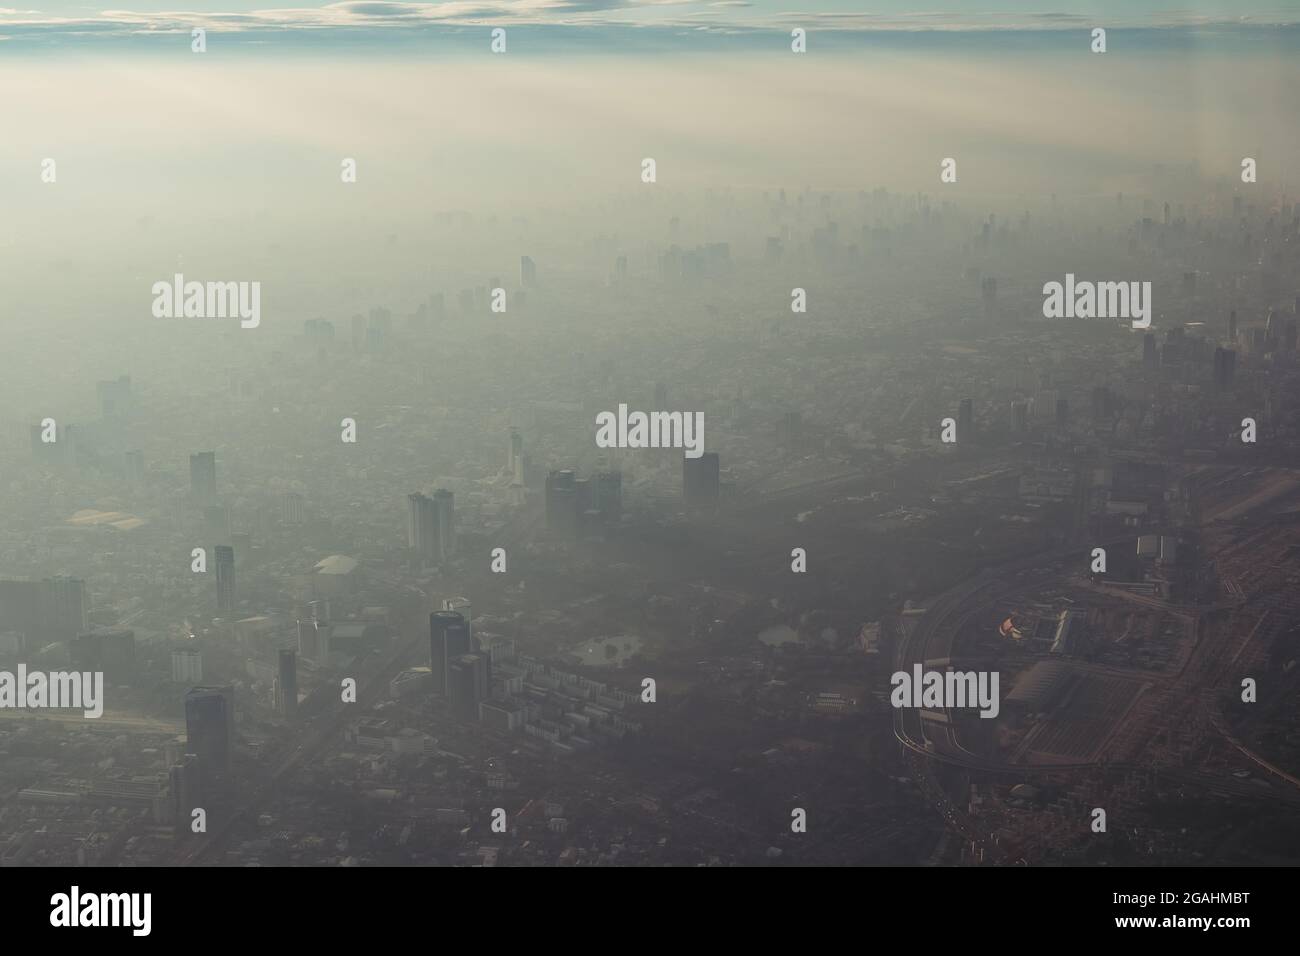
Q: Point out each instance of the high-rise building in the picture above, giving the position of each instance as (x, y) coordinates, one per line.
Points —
(314, 640)
(1150, 359)
(1062, 412)
(444, 503)
(1225, 363)
(1232, 327)
(515, 456)
(966, 421)
(448, 638)
(1289, 339)
(111, 650)
(1020, 417)
(210, 727)
(187, 665)
(467, 684)
(461, 606)
(225, 575)
(562, 513)
(62, 607)
(114, 396)
(422, 527)
(291, 508)
(527, 271)
(287, 683)
(1273, 330)
(701, 479)
(185, 792)
(203, 477)
(607, 494)
(135, 465)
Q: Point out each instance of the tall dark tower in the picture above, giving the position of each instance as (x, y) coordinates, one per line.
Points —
(448, 639)
(700, 479)
(1232, 327)
(288, 683)
(1150, 360)
(966, 421)
(203, 477)
(225, 573)
(210, 727)
(185, 790)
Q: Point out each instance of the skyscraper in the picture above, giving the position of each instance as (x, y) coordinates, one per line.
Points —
(291, 508)
(562, 512)
(203, 477)
(515, 456)
(701, 479)
(1150, 359)
(966, 420)
(462, 606)
(444, 503)
(185, 790)
(448, 638)
(607, 494)
(527, 271)
(422, 527)
(210, 727)
(467, 684)
(225, 574)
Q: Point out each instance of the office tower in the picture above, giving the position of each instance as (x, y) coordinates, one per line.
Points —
(1062, 412)
(1232, 327)
(607, 494)
(62, 607)
(287, 679)
(701, 479)
(314, 638)
(448, 638)
(1020, 417)
(114, 396)
(422, 527)
(527, 271)
(1101, 403)
(225, 573)
(444, 504)
(461, 606)
(466, 684)
(291, 508)
(966, 420)
(661, 397)
(562, 503)
(185, 791)
(989, 294)
(134, 465)
(111, 651)
(1273, 330)
(1166, 214)
(515, 455)
(187, 665)
(1225, 361)
(1258, 342)
(1150, 359)
(1289, 338)
(203, 477)
(210, 727)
